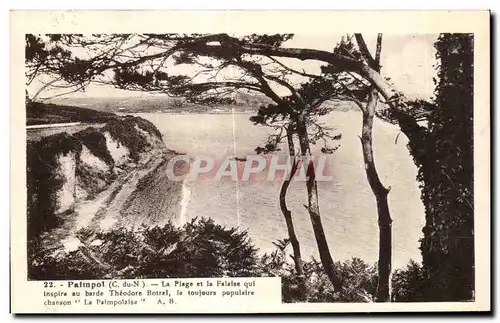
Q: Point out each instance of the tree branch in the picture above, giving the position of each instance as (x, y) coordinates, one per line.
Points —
(377, 52)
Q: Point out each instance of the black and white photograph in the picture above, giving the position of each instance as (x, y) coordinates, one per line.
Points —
(342, 163)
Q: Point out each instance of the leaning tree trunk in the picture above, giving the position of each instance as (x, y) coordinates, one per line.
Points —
(313, 209)
(297, 258)
(380, 192)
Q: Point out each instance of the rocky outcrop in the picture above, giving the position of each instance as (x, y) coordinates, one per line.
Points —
(99, 177)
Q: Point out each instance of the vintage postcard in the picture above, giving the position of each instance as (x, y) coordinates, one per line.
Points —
(250, 161)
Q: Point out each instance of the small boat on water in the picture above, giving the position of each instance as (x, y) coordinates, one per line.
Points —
(238, 158)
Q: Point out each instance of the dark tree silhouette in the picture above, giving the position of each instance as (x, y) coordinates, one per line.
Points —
(442, 149)
(366, 96)
(136, 70)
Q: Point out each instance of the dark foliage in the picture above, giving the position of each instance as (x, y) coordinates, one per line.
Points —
(94, 181)
(42, 113)
(123, 130)
(409, 285)
(200, 248)
(443, 152)
(145, 125)
(446, 174)
(359, 279)
(95, 141)
(269, 40)
(44, 179)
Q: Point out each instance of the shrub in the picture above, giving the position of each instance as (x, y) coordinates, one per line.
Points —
(95, 141)
(446, 174)
(73, 265)
(41, 113)
(145, 125)
(123, 130)
(359, 279)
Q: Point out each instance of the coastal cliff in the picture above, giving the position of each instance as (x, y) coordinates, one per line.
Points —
(105, 177)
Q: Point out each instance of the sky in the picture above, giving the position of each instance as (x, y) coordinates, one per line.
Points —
(407, 59)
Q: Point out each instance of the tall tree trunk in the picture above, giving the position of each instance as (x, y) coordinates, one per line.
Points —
(380, 192)
(297, 258)
(313, 209)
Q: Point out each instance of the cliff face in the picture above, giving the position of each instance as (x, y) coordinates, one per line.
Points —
(101, 178)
